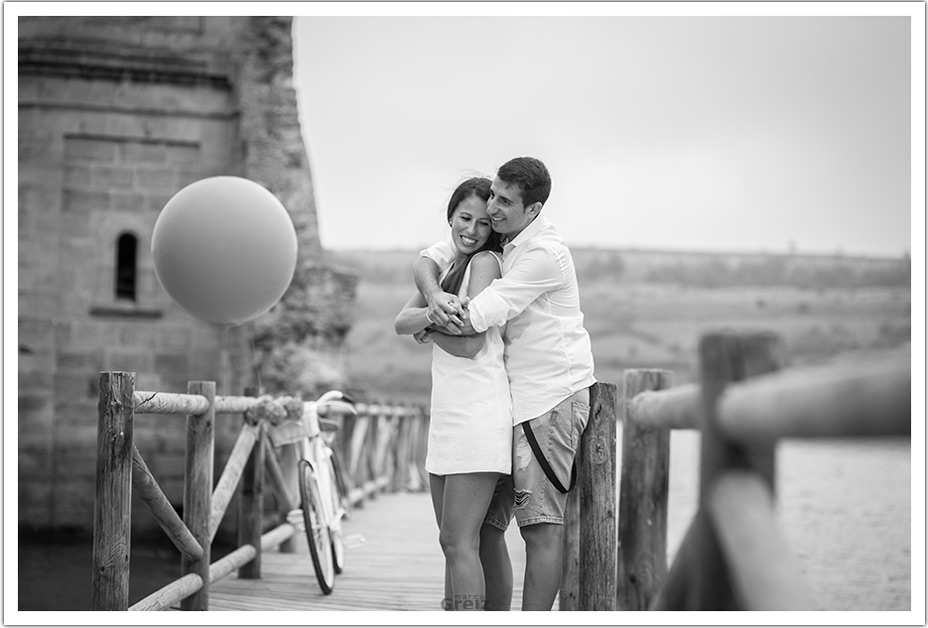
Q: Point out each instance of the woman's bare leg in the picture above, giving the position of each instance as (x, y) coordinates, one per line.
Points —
(437, 489)
(466, 499)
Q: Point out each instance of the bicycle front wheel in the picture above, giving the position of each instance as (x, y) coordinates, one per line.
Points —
(317, 529)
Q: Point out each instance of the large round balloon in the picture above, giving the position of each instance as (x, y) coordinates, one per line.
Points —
(224, 248)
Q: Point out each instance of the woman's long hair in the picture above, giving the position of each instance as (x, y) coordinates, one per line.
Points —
(479, 187)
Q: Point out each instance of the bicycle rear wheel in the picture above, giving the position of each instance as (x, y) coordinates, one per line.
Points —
(317, 530)
(341, 484)
(340, 505)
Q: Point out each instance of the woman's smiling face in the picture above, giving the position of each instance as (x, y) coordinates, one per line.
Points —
(470, 225)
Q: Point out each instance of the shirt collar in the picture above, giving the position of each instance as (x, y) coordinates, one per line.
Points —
(534, 228)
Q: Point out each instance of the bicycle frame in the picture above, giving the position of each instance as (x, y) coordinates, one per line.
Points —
(315, 450)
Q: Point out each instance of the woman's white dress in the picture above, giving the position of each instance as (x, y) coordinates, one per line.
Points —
(471, 415)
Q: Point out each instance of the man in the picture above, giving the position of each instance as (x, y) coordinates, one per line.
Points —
(548, 360)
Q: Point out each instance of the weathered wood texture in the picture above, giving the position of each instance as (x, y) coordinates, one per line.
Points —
(198, 489)
(231, 475)
(146, 486)
(866, 398)
(642, 562)
(726, 357)
(764, 576)
(569, 596)
(251, 507)
(169, 403)
(113, 492)
(671, 408)
(393, 563)
(598, 508)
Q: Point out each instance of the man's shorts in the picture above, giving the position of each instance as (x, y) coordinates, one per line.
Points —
(528, 493)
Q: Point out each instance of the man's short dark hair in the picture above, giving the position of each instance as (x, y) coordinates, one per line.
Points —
(530, 175)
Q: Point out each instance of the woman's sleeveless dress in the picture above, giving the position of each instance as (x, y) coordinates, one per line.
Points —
(471, 415)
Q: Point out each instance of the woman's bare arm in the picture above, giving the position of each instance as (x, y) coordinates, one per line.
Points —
(412, 318)
(484, 269)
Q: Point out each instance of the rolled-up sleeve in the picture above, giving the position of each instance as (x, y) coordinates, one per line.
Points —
(442, 253)
(535, 272)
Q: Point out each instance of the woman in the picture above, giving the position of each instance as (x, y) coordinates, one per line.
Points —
(470, 433)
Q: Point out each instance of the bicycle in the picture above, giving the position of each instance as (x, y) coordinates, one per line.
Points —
(324, 500)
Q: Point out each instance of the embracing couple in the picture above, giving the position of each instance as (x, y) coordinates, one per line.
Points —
(511, 371)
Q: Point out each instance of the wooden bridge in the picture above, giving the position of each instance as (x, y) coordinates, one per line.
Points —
(733, 556)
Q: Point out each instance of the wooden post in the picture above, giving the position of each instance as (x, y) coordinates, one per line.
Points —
(112, 509)
(421, 451)
(370, 448)
(569, 595)
(598, 508)
(357, 458)
(401, 453)
(725, 357)
(251, 502)
(198, 488)
(288, 456)
(642, 559)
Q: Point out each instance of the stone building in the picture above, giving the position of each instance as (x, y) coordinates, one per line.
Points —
(115, 115)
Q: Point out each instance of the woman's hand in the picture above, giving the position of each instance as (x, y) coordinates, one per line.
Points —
(445, 310)
(423, 337)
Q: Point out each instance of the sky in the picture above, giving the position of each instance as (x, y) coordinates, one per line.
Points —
(707, 133)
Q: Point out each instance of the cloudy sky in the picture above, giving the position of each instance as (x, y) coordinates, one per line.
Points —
(733, 132)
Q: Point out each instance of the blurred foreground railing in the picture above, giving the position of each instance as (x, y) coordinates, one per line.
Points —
(383, 446)
(733, 555)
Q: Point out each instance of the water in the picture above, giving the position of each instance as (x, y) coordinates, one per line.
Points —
(58, 577)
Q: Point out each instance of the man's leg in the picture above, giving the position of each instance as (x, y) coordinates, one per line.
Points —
(543, 565)
(494, 554)
(497, 568)
(539, 506)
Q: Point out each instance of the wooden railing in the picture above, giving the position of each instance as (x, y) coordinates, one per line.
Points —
(733, 555)
(383, 447)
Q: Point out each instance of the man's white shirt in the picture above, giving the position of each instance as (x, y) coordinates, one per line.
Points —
(548, 354)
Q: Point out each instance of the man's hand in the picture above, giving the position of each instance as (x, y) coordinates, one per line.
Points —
(445, 310)
(423, 337)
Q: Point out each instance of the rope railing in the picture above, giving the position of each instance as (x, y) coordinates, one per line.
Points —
(388, 452)
(733, 555)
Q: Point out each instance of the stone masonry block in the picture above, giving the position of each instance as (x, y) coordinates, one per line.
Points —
(85, 201)
(77, 175)
(75, 385)
(78, 412)
(75, 225)
(90, 148)
(39, 278)
(112, 176)
(157, 178)
(156, 202)
(173, 363)
(36, 332)
(127, 201)
(37, 301)
(144, 152)
(34, 498)
(80, 361)
(183, 153)
(35, 409)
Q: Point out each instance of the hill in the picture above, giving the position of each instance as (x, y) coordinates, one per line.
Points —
(696, 269)
(647, 309)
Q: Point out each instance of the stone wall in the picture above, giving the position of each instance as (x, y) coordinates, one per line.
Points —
(115, 115)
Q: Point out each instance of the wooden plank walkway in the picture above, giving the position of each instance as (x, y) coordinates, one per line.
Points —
(398, 566)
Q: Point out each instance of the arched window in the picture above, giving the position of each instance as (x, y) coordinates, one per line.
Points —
(126, 253)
